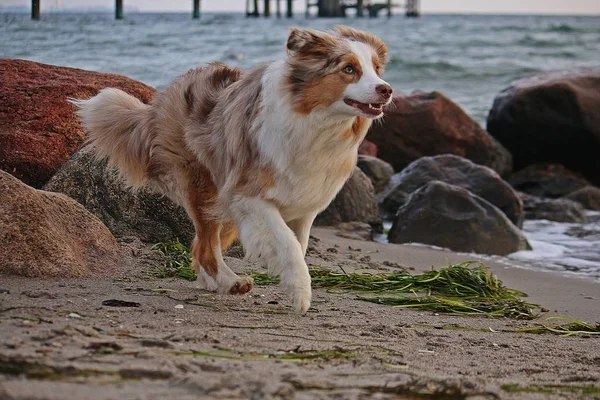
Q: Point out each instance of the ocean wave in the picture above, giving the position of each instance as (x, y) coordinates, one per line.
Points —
(531, 41)
(440, 66)
(563, 28)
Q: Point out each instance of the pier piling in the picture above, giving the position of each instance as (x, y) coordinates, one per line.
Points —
(289, 11)
(119, 9)
(35, 9)
(196, 13)
(267, 10)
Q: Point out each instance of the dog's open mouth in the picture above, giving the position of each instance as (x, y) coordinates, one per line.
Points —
(370, 108)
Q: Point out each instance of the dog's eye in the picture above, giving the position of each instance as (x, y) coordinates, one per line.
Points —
(349, 69)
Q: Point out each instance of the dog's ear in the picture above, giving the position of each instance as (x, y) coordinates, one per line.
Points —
(306, 41)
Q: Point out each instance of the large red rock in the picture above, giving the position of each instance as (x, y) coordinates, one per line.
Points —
(38, 128)
(551, 118)
(428, 124)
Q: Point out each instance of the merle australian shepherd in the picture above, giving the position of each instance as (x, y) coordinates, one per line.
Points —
(252, 155)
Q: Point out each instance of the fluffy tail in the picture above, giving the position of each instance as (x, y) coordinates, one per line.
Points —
(116, 124)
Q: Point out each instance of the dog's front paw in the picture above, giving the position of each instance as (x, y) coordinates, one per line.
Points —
(300, 297)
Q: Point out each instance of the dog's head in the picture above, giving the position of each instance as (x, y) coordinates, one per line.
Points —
(339, 71)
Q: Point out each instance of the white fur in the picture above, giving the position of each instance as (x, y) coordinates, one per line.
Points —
(264, 234)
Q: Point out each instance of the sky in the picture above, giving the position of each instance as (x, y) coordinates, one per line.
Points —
(591, 7)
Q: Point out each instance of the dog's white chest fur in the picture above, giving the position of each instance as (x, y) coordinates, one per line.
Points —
(309, 154)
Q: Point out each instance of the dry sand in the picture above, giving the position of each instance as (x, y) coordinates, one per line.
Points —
(225, 347)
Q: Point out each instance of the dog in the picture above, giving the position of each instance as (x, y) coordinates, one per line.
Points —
(251, 155)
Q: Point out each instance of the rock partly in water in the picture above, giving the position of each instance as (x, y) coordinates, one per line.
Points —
(47, 235)
(448, 216)
(454, 170)
(589, 197)
(551, 118)
(38, 128)
(356, 202)
(367, 148)
(378, 171)
(558, 210)
(145, 214)
(547, 180)
(428, 124)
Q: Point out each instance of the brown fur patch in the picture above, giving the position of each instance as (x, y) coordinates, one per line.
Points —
(377, 44)
(229, 234)
(202, 194)
(203, 250)
(358, 129)
(327, 90)
(256, 181)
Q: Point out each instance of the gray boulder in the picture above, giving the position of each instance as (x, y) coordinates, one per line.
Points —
(478, 179)
(452, 217)
(547, 180)
(377, 170)
(145, 214)
(356, 202)
(588, 196)
(559, 210)
(551, 117)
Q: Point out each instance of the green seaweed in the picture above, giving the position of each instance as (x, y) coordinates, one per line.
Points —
(552, 389)
(467, 288)
(177, 262)
(572, 328)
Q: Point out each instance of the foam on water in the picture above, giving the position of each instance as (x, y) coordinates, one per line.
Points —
(573, 249)
(563, 246)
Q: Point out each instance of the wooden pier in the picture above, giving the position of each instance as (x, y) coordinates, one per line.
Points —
(267, 8)
(325, 8)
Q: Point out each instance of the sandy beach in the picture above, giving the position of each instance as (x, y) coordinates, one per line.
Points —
(60, 342)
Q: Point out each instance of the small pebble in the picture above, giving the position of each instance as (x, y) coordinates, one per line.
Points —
(75, 315)
(179, 306)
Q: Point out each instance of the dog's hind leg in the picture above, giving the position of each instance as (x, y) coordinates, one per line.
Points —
(207, 259)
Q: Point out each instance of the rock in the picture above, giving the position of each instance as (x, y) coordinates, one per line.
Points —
(38, 128)
(547, 180)
(148, 215)
(428, 124)
(457, 171)
(47, 235)
(378, 171)
(368, 148)
(355, 230)
(558, 210)
(354, 203)
(551, 118)
(452, 217)
(589, 197)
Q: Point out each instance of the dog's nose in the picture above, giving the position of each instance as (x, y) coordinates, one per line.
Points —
(384, 89)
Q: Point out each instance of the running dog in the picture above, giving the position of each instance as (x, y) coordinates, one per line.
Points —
(251, 155)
